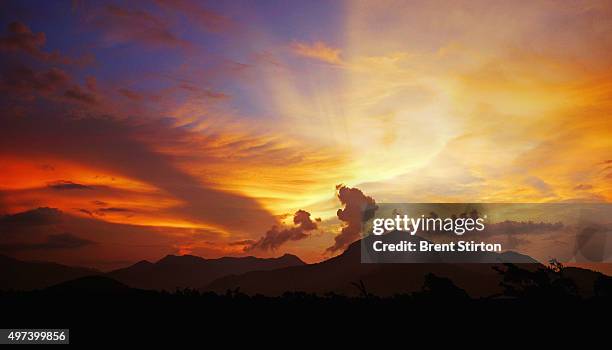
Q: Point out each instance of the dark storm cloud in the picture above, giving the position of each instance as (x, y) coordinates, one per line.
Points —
(358, 208)
(52, 242)
(275, 237)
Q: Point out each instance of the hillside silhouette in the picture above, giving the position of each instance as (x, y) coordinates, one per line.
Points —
(188, 271)
(344, 274)
(339, 273)
(90, 285)
(22, 275)
(169, 273)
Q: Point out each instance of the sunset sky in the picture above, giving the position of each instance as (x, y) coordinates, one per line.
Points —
(134, 130)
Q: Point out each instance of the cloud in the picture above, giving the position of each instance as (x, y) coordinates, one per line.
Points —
(242, 242)
(540, 185)
(275, 237)
(130, 94)
(358, 208)
(120, 147)
(41, 234)
(52, 242)
(35, 217)
(78, 94)
(20, 38)
(123, 25)
(68, 185)
(22, 79)
(85, 211)
(318, 51)
(104, 211)
(198, 16)
(203, 93)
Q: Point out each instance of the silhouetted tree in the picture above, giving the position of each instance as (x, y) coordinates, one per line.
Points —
(441, 288)
(362, 289)
(542, 283)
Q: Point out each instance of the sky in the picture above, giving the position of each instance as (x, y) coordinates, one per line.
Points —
(132, 130)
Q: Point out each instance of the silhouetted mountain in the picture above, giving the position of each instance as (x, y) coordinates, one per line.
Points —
(188, 271)
(339, 273)
(90, 285)
(24, 275)
(343, 273)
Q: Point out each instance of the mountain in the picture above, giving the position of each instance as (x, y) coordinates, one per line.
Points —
(188, 271)
(90, 285)
(339, 273)
(346, 274)
(24, 275)
(343, 274)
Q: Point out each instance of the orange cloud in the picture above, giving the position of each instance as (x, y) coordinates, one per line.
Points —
(318, 51)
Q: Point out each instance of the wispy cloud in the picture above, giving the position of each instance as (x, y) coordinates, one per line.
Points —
(318, 51)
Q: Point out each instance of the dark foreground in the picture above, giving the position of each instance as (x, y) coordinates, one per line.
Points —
(145, 317)
(101, 310)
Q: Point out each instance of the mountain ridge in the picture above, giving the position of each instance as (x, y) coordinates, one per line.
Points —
(27, 275)
(190, 271)
(341, 274)
(275, 276)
